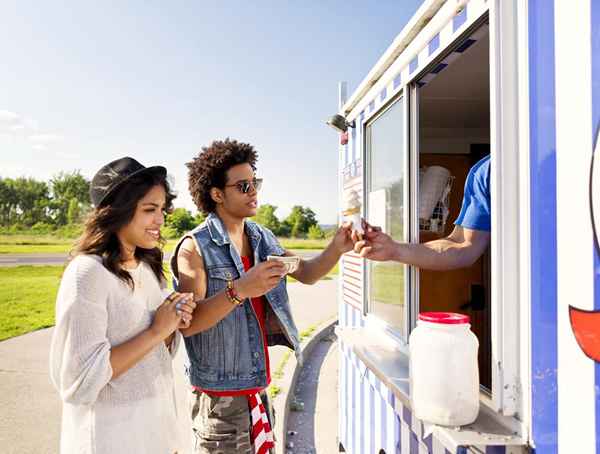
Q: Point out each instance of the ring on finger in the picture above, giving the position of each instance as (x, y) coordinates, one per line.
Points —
(171, 297)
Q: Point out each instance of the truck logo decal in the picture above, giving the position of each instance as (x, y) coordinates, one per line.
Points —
(586, 324)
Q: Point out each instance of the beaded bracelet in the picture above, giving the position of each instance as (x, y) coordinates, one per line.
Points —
(232, 294)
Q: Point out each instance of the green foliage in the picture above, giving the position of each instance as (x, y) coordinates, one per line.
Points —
(315, 232)
(178, 222)
(42, 228)
(74, 211)
(69, 231)
(300, 220)
(265, 215)
(199, 218)
(23, 201)
(66, 187)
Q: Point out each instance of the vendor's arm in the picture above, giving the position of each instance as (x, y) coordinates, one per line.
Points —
(209, 311)
(310, 271)
(458, 250)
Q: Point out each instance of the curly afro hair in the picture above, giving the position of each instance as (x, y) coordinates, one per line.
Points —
(209, 169)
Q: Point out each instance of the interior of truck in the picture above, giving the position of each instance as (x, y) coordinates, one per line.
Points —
(454, 134)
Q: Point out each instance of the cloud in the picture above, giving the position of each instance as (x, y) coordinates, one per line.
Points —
(18, 127)
(45, 139)
(65, 155)
(9, 118)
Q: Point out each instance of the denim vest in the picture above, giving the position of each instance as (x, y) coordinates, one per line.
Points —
(230, 356)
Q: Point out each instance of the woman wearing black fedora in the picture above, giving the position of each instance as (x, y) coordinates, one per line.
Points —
(116, 324)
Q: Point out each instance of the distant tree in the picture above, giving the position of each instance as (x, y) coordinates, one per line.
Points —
(285, 229)
(64, 188)
(199, 218)
(23, 201)
(74, 211)
(8, 201)
(315, 232)
(180, 221)
(300, 220)
(265, 215)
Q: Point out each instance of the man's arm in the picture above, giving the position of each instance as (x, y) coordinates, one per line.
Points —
(310, 271)
(458, 250)
(192, 278)
(209, 311)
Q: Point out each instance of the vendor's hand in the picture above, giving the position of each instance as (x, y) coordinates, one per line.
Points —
(375, 245)
(260, 279)
(366, 228)
(342, 241)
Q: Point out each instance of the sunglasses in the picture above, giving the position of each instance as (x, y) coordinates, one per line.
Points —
(245, 185)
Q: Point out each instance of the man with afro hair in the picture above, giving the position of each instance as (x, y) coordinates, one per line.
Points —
(224, 263)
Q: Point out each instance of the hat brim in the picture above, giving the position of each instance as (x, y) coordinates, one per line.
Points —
(159, 170)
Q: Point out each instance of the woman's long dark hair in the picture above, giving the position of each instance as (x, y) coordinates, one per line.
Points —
(100, 231)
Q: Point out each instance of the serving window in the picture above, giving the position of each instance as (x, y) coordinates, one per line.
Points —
(386, 159)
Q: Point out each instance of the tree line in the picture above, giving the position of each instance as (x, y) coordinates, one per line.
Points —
(27, 204)
(300, 223)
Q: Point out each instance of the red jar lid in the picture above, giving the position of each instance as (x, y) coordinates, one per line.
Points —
(446, 318)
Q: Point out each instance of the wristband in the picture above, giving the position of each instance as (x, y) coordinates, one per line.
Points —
(232, 294)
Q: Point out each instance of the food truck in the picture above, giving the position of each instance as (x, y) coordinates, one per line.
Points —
(518, 80)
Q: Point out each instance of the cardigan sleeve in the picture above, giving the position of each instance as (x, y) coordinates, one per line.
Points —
(80, 351)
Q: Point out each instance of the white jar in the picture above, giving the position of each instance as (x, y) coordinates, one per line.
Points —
(444, 376)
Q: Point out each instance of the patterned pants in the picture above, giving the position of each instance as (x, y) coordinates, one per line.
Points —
(221, 425)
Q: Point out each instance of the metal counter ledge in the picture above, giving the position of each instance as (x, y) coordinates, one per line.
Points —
(381, 355)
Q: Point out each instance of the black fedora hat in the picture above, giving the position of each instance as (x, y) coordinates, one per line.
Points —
(114, 174)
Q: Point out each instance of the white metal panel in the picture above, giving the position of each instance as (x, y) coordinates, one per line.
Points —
(524, 221)
(575, 260)
(504, 176)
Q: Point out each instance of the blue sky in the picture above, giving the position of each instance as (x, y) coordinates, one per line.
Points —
(83, 84)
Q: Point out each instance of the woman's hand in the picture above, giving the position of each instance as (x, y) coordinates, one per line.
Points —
(176, 310)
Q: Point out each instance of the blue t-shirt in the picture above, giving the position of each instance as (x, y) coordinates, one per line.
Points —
(475, 211)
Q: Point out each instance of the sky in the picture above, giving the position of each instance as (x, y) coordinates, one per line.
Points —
(84, 83)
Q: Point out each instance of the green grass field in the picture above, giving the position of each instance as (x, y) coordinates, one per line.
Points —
(27, 297)
(47, 244)
(388, 283)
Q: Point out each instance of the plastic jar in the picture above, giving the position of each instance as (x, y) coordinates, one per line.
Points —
(444, 377)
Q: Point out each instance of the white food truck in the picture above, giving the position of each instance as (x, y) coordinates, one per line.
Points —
(518, 80)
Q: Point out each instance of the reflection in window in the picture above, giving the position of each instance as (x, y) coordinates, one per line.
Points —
(386, 156)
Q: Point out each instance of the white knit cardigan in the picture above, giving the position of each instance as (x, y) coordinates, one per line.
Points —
(134, 413)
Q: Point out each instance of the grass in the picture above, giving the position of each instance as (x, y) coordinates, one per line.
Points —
(29, 244)
(279, 371)
(27, 297)
(273, 388)
(388, 283)
(333, 273)
(48, 244)
(306, 333)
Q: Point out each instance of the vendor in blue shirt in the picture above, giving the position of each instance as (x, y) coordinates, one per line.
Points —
(466, 243)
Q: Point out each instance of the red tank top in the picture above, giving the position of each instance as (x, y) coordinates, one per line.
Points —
(258, 304)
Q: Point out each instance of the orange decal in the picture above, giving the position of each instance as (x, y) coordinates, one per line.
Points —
(586, 327)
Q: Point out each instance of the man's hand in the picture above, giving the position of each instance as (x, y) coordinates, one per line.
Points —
(260, 279)
(374, 244)
(342, 241)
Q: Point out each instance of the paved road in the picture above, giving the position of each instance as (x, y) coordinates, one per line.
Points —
(31, 409)
(61, 259)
